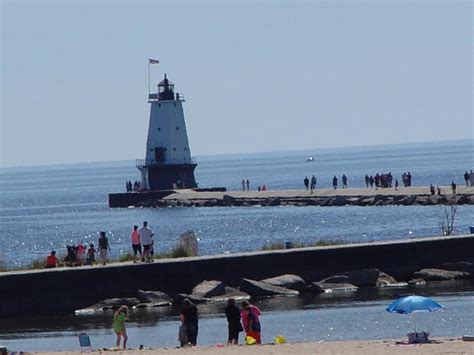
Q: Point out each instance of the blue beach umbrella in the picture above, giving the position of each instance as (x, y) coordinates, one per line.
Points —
(413, 304)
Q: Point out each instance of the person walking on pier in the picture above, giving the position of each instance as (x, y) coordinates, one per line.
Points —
(243, 184)
(136, 244)
(453, 186)
(248, 185)
(371, 181)
(367, 180)
(306, 182)
(334, 182)
(146, 238)
(313, 183)
(344, 181)
(104, 247)
(466, 178)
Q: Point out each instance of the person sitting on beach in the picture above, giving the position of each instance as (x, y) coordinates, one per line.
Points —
(52, 260)
(119, 326)
(90, 258)
(251, 321)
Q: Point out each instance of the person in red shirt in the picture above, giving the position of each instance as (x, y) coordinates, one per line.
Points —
(52, 260)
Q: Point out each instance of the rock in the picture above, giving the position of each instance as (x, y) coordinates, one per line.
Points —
(208, 289)
(231, 292)
(336, 279)
(325, 201)
(459, 266)
(417, 282)
(153, 297)
(293, 282)
(274, 202)
(440, 275)
(380, 198)
(188, 241)
(408, 200)
(228, 199)
(366, 201)
(340, 201)
(153, 304)
(258, 289)
(330, 287)
(366, 277)
(384, 280)
(115, 303)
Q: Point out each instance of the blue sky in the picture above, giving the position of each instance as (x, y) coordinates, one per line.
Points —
(257, 76)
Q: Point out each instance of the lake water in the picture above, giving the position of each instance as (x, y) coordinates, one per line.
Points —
(44, 208)
(359, 316)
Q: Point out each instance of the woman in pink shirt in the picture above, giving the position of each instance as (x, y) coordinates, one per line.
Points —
(136, 245)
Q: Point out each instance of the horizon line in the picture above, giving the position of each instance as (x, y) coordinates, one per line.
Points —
(243, 154)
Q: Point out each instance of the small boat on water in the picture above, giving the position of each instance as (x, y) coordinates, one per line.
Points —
(310, 158)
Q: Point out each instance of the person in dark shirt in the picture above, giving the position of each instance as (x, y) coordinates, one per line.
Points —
(232, 313)
(189, 318)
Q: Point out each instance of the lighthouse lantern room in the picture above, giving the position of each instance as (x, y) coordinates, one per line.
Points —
(168, 163)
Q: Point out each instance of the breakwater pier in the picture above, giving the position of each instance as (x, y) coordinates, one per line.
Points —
(65, 290)
(407, 196)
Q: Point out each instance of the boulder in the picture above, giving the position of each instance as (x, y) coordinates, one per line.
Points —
(115, 303)
(367, 277)
(208, 289)
(188, 241)
(293, 282)
(153, 297)
(325, 287)
(228, 199)
(366, 201)
(440, 275)
(459, 266)
(340, 201)
(408, 200)
(274, 202)
(384, 280)
(260, 289)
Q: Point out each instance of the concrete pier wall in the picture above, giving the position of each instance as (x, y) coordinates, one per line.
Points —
(64, 290)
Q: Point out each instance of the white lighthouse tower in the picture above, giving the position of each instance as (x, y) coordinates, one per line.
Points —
(168, 163)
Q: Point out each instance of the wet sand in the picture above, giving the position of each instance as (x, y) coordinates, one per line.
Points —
(439, 346)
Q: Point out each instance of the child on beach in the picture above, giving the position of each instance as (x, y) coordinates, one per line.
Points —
(251, 321)
(119, 326)
(90, 259)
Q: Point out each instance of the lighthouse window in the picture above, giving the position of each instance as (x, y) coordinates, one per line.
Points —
(177, 128)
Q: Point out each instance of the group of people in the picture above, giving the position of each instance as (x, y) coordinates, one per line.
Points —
(245, 185)
(245, 319)
(135, 187)
(311, 184)
(381, 180)
(142, 246)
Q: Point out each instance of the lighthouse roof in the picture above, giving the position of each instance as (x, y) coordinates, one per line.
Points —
(165, 81)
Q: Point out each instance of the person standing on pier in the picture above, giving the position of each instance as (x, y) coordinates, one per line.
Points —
(146, 238)
(313, 183)
(136, 244)
(334, 182)
(367, 180)
(248, 185)
(243, 184)
(344, 181)
(453, 186)
(306, 182)
(466, 178)
(104, 247)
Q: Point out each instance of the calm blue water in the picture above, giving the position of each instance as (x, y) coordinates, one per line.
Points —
(47, 207)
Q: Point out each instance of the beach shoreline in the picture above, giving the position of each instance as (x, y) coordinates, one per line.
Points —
(450, 345)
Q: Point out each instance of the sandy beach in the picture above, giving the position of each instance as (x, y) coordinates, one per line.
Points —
(439, 346)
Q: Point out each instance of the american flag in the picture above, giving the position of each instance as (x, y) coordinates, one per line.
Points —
(153, 61)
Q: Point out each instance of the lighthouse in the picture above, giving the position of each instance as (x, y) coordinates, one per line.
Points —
(168, 163)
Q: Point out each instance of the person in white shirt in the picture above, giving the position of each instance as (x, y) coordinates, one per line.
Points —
(146, 237)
